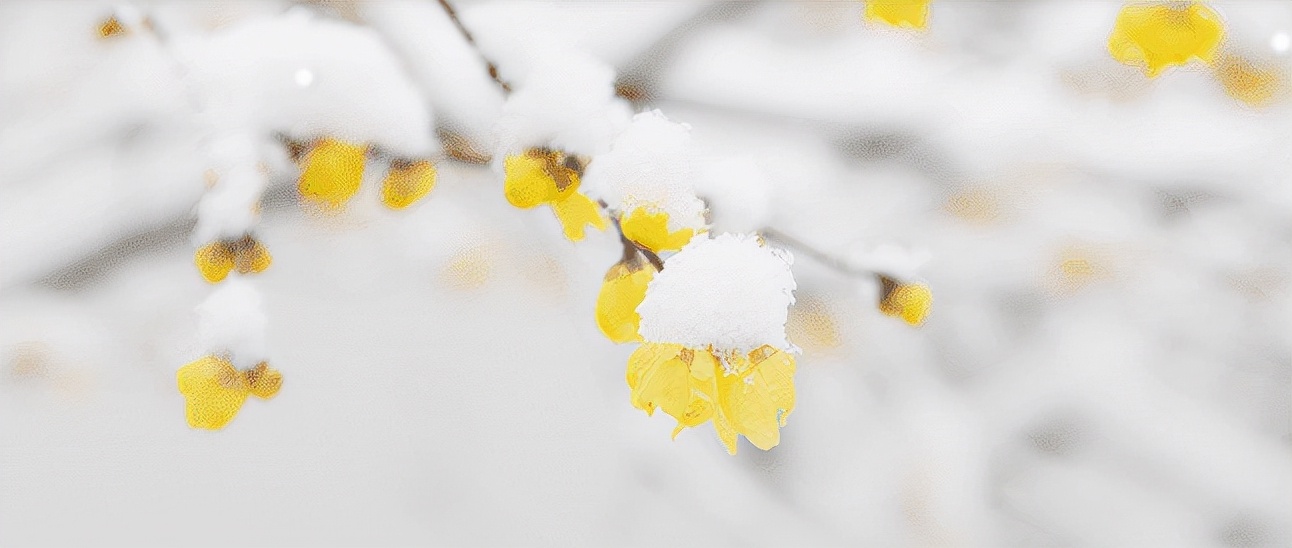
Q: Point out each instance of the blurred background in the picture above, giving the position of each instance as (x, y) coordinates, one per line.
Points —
(1108, 361)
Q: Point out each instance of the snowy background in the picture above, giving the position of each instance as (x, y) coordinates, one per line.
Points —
(1108, 361)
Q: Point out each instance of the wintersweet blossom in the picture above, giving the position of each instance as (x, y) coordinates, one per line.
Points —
(647, 176)
(407, 182)
(713, 322)
(1158, 35)
(912, 14)
(245, 255)
(545, 176)
(909, 301)
(214, 390)
(332, 172)
(621, 293)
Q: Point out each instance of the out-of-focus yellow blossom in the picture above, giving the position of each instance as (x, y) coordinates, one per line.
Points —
(910, 302)
(214, 390)
(332, 172)
(111, 27)
(246, 255)
(911, 14)
(743, 394)
(623, 290)
(1158, 35)
(406, 183)
(650, 229)
(1247, 82)
(544, 176)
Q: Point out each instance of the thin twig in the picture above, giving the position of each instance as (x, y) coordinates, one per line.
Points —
(466, 35)
(887, 283)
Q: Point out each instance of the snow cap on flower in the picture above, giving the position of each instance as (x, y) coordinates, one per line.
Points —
(232, 321)
(228, 209)
(566, 102)
(728, 292)
(651, 164)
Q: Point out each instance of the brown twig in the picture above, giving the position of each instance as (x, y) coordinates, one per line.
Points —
(887, 283)
(466, 35)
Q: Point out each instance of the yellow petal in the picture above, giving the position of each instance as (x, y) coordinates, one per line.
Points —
(911, 14)
(642, 365)
(650, 230)
(910, 302)
(622, 292)
(575, 212)
(1164, 34)
(755, 402)
(213, 392)
(536, 177)
(405, 184)
(263, 381)
(214, 261)
(332, 173)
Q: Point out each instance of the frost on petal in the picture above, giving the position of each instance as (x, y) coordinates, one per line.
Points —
(651, 165)
(232, 320)
(729, 292)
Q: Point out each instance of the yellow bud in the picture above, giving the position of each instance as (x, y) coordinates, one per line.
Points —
(214, 261)
(332, 172)
(910, 302)
(575, 212)
(213, 391)
(537, 177)
(111, 27)
(623, 290)
(1248, 83)
(1164, 34)
(406, 183)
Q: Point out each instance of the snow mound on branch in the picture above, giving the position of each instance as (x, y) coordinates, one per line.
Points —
(308, 77)
(228, 209)
(728, 292)
(568, 102)
(232, 321)
(650, 164)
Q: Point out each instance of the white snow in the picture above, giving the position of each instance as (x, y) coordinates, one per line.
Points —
(651, 164)
(728, 292)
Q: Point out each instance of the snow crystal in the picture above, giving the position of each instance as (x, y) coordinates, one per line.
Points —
(567, 102)
(729, 292)
(650, 164)
(231, 320)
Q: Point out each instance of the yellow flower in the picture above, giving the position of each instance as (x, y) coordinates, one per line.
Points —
(544, 176)
(623, 290)
(650, 230)
(111, 27)
(1246, 82)
(911, 14)
(1163, 34)
(246, 255)
(332, 172)
(743, 394)
(910, 302)
(406, 183)
(214, 390)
